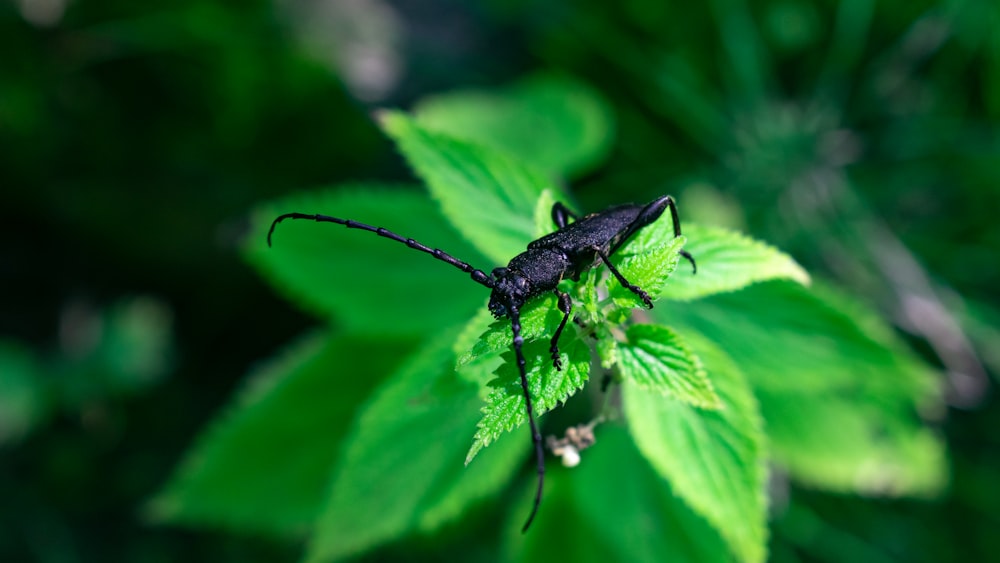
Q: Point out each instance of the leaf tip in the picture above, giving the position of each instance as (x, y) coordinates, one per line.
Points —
(464, 358)
(800, 275)
(159, 510)
(713, 403)
(390, 120)
(477, 445)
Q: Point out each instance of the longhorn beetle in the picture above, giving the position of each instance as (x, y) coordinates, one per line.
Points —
(566, 253)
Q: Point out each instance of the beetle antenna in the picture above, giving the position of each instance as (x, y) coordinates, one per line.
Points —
(477, 275)
(536, 437)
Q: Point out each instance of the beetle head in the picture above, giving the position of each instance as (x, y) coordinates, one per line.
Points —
(511, 288)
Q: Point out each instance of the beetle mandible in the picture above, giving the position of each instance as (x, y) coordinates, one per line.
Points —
(572, 249)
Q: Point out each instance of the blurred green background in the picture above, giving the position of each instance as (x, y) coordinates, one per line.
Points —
(862, 137)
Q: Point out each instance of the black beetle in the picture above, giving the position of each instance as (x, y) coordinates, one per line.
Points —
(566, 253)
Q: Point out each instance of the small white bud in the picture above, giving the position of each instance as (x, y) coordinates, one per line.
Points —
(570, 456)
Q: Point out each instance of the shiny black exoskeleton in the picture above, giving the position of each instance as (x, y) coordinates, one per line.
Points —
(564, 254)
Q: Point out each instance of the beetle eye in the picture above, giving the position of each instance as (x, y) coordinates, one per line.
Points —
(522, 284)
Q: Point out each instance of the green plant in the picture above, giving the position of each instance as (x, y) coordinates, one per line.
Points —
(355, 437)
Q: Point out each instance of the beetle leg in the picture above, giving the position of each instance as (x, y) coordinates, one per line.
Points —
(647, 216)
(561, 215)
(621, 279)
(690, 259)
(565, 305)
(651, 213)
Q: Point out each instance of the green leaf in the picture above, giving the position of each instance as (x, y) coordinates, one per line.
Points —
(647, 260)
(650, 523)
(714, 460)
(553, 123)
(477, 368)
(788, 337)
(587, 306)
(487, 195)
(472, 334)
(543, 214)
(368, 283)
(729, 261)
(647, 263)
(538, 317)
(558, 517)
(848, 443)
(838, 391)
(505, 408)
(656, 359)
(265, 462)
(606, 346)
(401, 469)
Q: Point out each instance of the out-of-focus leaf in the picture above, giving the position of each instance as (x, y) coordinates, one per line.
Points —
(839, 393)
(788, 337)
(983, 323)
(850, 443)
(264, 464)
(401, 470)
(634, 517)
(606, 347)
(137, 342)
(729, 261)
(656, 359)
(487, 195)
(554, 123)
(22, 392)
(369, 283)
(543, 214)
(714, 460)
(111, 351)
(472, 334)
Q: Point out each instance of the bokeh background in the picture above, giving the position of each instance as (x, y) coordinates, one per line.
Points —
(861, 136)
